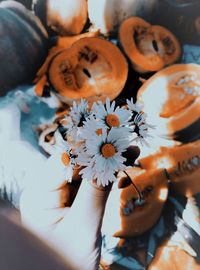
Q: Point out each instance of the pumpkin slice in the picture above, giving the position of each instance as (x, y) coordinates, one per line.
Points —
(176, 107)
(61, 44)
(149, 47)
(171, 254)
(124, 215)
(182, 164)
(90, 67)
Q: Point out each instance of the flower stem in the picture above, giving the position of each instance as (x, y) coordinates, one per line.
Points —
(140, 196)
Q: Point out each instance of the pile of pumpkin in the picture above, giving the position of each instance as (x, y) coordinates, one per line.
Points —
(67, 48)
(78, 65)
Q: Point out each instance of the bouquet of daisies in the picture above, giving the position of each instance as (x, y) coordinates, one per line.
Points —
(98, 139)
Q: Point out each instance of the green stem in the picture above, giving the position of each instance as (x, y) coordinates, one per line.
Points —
(135, 187)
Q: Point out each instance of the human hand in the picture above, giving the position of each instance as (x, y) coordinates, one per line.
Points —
(73, 231)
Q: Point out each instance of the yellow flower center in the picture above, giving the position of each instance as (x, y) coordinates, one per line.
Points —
(112, 120)
(65, 159)
(108, 150)
(99, 131)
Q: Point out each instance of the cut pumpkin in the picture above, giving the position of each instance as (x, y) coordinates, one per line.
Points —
(90, 67)
(170, 255)
(62, 43)
(148, 47)
(124, 216)
(182, 164)
(177, 103)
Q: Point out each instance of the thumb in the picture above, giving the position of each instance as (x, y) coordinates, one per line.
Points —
(81, 227)
(90, 204)
(88, 208)
(54, 173)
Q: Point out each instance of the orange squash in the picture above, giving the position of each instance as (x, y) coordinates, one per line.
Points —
(91, 67)
(148, 47)
(61, 43)
(124, 217)
(65, 17)
(108, 15)
(170, 256)
(175, 110)
(182, 164)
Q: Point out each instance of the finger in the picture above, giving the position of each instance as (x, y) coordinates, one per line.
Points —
(85, 215)
(52, 175)
(39, 219)
(88, 208)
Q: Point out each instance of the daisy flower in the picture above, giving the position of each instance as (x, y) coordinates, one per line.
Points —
(101, 156)
(63, 149)
(91, 128)
(140, 128)
(109, 116)
(78, 114)
(134, 107)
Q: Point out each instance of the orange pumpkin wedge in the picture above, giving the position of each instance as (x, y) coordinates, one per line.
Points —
(182, 164)
(171, 255)
(123, 216)
(148, 47)
(90, 67)
(176, 108)
(62, 43)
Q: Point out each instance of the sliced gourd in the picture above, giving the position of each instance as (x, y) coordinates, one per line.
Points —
(176, 105)
(90, 67)
(148, 47)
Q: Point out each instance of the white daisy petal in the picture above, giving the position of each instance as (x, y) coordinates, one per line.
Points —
(103, 163)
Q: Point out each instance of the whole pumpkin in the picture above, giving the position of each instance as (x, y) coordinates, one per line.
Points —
(65, 17)
(23, 46)
(26, 3)
(108, 15)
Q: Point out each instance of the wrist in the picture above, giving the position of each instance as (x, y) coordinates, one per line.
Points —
(100, 187)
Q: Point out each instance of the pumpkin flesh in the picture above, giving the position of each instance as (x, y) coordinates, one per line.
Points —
(149, 47)
(177, 102)
(91, 67)
(182, 164)
(139, 218)
(62, 43)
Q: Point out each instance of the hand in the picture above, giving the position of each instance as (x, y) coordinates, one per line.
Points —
(73, 231)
